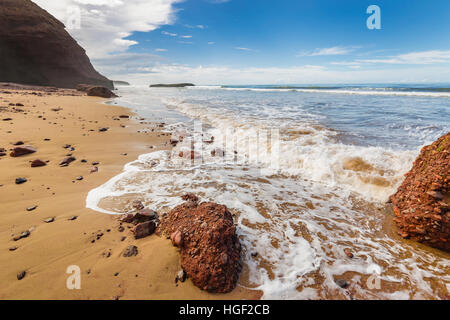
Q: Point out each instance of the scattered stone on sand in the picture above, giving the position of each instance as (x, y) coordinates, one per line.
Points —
(32, 208)
(22, 150)
(24, 234)
(66, 161)
(21, 180)
(103, 129)
(144, 229)
(73, 218)
(130, 251)
(18, 143)
(49, 220)
(421, 203)
(210, 256)
(21, 275)
(38, 163)
(13, 248)
(121, 229)
(94, 170)
(79, 178)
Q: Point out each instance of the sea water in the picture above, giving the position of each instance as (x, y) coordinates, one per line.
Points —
(307, 172)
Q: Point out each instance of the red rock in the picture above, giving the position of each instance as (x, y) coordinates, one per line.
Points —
(177, 239)
(21, 151)
(421, 202)
(127, 218)
(38, 163)
(209, 246)
(144, 229)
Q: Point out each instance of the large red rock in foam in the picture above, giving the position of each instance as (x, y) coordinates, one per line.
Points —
(209, 247)
(421, 203)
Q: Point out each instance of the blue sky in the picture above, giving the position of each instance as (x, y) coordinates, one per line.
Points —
(267, 41)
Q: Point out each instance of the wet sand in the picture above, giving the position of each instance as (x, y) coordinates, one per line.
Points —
(67, 118)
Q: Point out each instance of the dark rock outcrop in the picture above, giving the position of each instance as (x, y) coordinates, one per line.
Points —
(422, 202)
(37, 50)
(96, 91)
(209, 247)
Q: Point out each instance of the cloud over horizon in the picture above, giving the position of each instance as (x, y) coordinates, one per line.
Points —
(105, 24)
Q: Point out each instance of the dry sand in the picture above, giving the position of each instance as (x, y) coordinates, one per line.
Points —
(52, 247)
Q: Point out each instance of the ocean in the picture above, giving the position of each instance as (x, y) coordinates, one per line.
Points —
(307, 170)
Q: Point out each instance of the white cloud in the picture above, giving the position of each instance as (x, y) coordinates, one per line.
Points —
(161, 50)
(422, 57)
(211, 42)
(198, 26)
(243, 49)
(106, 23)
(169, 34)
(333, 51)
(186, 37)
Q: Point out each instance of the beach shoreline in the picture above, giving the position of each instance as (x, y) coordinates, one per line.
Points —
(53, 121)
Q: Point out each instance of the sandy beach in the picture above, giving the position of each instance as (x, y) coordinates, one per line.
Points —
(53, 123)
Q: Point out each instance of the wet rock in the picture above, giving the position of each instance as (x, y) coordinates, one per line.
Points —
(21, 275)
(210, 255)
(130, 251)
(146, 214)
(342, 283)
(421, 203)
(144, 229)
(23, 150)
(138, 205)
(38, 163)
(21, 180)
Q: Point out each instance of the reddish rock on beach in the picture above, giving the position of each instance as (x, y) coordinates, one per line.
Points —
(209, 247)
(421, 203)
(22, 150)
(38, 163)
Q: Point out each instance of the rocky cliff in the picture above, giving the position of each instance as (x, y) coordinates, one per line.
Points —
(36, 49)
(422, 202)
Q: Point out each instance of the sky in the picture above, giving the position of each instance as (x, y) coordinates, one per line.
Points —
(219, 42)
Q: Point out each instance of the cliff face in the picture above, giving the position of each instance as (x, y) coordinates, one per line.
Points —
(422, 202)
(36, 49)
